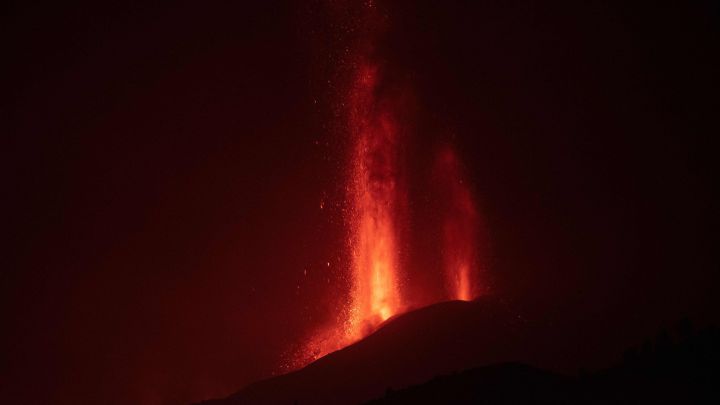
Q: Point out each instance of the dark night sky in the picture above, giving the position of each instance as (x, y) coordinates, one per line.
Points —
(167, 163)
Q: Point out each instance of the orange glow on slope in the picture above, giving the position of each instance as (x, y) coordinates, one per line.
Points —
(374, 193)
(459, 229)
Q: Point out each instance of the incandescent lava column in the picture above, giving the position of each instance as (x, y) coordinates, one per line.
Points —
(459, 227)
(375, 194)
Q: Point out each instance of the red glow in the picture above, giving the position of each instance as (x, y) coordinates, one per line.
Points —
(459, 229)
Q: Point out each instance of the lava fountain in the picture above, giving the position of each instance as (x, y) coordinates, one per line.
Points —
(372, 117)
(459, 227)
(375, 194)
(375, 200)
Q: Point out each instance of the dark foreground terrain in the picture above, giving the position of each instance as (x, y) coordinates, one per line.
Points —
(417, 358)
(681, 372)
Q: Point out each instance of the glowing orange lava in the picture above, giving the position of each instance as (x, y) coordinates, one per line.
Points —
(460, 219)
(374, 192)
(376, 199)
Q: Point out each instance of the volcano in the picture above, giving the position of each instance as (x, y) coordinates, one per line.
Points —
(407, 349)
(469, 352)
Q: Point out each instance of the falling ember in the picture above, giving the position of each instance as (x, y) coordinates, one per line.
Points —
(459, 227)
(374, 192)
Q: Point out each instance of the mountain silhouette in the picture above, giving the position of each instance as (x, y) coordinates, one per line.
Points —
(683, 370)
(408, 349)
(507, 383)
(473, 352)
